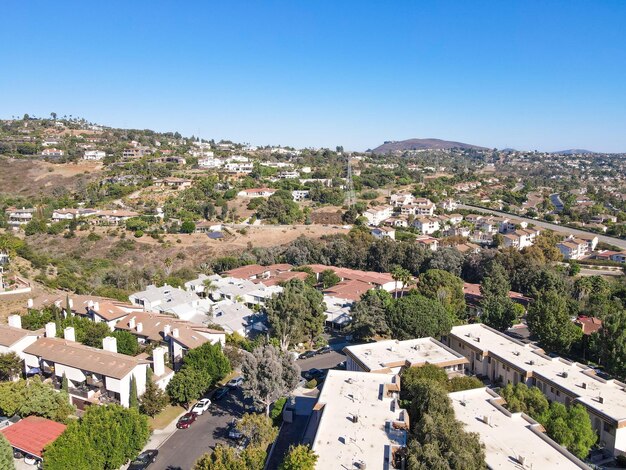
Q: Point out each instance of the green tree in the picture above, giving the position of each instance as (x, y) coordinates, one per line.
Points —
(187, 385)
(549, 318)
(369, 315)
(445, 287)
(188, 227)
(416, 316)
(328, 278)
(108, 437)
(259, 429)
(133, 400)
(10, 365)
(296, 314)
(33, 397)
(300, 457)
(64, 383)
(126, 342)
(497, 308)
(268, 375)
(208, 358)
(6, 454)
(401, 275)
(227, 458)
(609, 343)
(154, 400)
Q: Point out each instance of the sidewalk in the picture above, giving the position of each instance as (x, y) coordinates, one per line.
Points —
(160, 436)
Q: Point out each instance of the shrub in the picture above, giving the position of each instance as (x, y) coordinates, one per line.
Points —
(311, 384)
(138, 233)
(277, 410)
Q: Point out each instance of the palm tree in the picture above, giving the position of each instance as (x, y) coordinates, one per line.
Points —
(209, 286)
(398, 273)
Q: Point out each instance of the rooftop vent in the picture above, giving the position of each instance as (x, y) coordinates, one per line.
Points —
(584, 385)
(487, 420)
(600, 399)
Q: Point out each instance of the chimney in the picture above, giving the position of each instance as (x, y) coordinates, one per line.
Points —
(71, 303)
(166, 331)
(69, 334)
(109, 344)
(131, 323)
(96, 306)
(51, 330)
(158, 361)
(15, 321)
(175, 333)
(30, 303)
(139, 327)
(90, 304)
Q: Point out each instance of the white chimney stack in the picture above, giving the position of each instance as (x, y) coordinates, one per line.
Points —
(69, 333)
(71, 303)
(175, 333)
(30, 303)
(158, 361)
(51, 330)
(139, 327)
(96, 306)
(131, 323)
(167, 329)
(15, 321)
(109, 344)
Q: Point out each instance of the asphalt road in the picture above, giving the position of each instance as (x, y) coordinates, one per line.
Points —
(557, 228)
(185, 446)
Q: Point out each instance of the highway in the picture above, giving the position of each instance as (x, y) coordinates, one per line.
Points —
(557, 228)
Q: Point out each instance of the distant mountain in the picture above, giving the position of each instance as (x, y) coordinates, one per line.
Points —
(422, 144)
(573, 151)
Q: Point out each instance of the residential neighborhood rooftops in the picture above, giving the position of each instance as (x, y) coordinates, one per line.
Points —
(512, 440)
(83, 357)
(350, 290)
(604, 397)
(32, 434)
(10, 335)
(382, 356)
(358, 425)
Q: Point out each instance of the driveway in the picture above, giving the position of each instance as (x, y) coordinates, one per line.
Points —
(325, 361)
(185, 446)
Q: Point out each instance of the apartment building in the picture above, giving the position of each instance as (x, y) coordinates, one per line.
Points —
(520, 239)
(95, 376)
(502, 360)
(573, 248)
(357, 422)
(172, 301)
(14, 339)
(512, 440)
(377, 215)
(59, 215)
(391, 356)
(426, 225)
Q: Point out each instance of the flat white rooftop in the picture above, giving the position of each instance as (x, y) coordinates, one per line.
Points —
(506, 436)
(605, 396)
(385, 355)
(340, 442)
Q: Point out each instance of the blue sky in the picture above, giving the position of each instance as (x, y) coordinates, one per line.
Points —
(544, 75)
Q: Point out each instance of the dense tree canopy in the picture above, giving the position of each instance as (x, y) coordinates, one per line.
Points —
(498, 310)
(416, 316)
(296, 314)
(105, 438)
(445, 287)
(268, 375)
(549, 319)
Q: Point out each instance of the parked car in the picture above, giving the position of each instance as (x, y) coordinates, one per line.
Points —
(201, 406)
(324, 350)
(186, 420)
(144, 460)
(341, 365)
(220, 393)
(314, 374)
(307, 354)
(233, 432)
(236, 382)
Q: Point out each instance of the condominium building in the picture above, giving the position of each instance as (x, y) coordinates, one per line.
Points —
(504, 360)
(391, 356)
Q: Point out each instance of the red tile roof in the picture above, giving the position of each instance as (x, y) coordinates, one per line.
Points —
(588, 324)
(32, 434)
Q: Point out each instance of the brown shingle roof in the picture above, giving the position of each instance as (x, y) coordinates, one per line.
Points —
(83, 357)
(10, 335)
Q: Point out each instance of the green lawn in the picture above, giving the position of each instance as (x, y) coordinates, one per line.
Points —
(165, 417)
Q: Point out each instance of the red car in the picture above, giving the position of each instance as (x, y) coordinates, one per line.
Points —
(186, 420)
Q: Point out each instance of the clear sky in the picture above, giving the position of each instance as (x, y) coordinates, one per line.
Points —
(544, 75)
